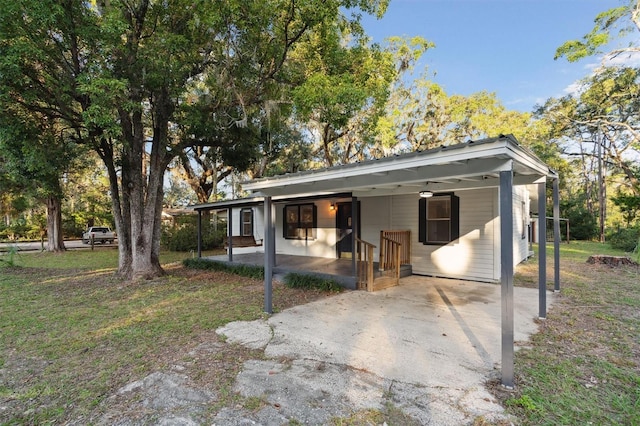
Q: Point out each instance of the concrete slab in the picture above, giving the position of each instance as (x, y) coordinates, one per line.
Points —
(438, 334)
(427, 331)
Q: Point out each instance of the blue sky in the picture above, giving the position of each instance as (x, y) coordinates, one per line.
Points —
(501, 46)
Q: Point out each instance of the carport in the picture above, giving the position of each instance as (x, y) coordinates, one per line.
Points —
(491, 163)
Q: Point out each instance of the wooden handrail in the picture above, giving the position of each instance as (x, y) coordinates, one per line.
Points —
(392, 258)
(365, 264)
(390, 262)
(401, 237)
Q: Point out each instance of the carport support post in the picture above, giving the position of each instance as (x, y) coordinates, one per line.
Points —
(269, 250)
(230, 233)
(199, 233)
(556, 236)
(272, 247)
(542, 249)
(355, 226)
(506, 274)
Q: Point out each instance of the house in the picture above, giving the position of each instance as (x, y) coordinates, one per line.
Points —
(461, 211)
(171, 217)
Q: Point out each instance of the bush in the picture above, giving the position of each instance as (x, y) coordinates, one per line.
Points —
(625, 239)
(250, 271)
(185, 238)
(583, 224)
(73, 228)
(295, 280)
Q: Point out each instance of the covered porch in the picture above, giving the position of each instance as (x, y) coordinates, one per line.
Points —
(492, 173)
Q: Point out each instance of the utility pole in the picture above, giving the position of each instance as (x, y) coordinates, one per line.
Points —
(602, 188)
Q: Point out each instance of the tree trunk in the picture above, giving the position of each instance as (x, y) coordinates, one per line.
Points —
(55, 240)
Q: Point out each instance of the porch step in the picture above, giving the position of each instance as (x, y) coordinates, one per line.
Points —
(381, 283)
(405, 270)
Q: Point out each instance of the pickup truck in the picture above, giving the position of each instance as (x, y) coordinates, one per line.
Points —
(100, 234)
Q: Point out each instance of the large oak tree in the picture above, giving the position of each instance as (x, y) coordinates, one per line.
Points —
(115, 72)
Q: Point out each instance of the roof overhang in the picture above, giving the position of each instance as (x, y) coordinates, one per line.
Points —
(457, 167)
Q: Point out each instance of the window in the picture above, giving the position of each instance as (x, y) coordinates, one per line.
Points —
(246, 222)
(300, 221)
(439, 218)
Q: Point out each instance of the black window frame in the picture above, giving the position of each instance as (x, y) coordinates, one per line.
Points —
(454, 219)
(242, 222)
(301, 232)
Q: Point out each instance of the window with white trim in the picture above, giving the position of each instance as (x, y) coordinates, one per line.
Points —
(246, 222)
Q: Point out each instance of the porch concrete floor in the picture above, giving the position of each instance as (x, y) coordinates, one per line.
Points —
(441, 334)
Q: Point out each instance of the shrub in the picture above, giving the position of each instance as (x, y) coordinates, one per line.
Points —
(185, 238)
(625, 239)
(583, 224)
(295, 280)
(250, 271)
(9, 258)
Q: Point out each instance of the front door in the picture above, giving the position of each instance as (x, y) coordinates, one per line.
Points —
(344, 224)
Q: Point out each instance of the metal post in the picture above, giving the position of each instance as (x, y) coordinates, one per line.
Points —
(354, 234)
(230, 233)
(542, 250)
(506, 275)
(556, 236)
(273, 235)
(199, 233)
(269, 250)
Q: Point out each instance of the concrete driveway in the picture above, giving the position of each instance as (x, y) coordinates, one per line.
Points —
(432, 333)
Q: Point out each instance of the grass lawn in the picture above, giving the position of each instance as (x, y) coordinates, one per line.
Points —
(583, 367)
(71, 334)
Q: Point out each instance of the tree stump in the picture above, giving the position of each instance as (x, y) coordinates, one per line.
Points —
(602, 259)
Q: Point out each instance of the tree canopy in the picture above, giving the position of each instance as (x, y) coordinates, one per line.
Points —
(116, 73)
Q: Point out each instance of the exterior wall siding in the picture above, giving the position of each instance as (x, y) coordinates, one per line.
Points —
(521, 208)
(472, 256)
(324, 245)
(375, 214)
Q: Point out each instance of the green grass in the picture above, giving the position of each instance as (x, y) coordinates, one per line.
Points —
(71, 332)
(251, 271)
(580, 251)
(308, 281)
(105, 258)
(583, 367)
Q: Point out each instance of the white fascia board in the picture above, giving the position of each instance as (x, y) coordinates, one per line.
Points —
(527, 159)
(401, 177)
(383, 166)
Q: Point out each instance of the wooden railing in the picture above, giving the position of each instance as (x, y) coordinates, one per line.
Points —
(365, 264)
(393, 258)
(386, 257)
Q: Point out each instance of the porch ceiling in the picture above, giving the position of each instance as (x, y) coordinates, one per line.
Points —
(463, 166)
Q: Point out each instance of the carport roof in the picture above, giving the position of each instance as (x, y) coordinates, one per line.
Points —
(472, 164)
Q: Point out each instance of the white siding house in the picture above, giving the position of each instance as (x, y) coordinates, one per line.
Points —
(475, 255)
(463, 210)
(448, 198)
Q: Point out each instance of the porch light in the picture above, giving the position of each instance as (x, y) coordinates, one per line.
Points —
(426, 194)
(332, 206)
